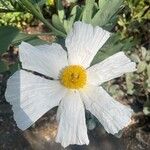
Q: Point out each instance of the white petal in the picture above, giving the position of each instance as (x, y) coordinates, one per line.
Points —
(113, 115)
(112, 67)
(31, 97)
(45, 59)
(71, 116)
(83, 43)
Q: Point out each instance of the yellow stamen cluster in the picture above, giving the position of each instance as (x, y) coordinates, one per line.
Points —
(73, 77)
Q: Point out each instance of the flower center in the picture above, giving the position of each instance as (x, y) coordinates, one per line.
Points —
(73, 77)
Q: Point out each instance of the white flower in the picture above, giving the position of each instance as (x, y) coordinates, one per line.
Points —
(76, 85)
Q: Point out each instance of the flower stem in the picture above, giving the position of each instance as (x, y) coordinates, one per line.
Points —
(37, 14)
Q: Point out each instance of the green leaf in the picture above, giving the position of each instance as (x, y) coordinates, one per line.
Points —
(148, 55)
(3, 66)
(73, 15)
(102, 3)
(57, 23)
(135, 57)
(60, 9)
(143, 52)
(112, 46)
(148, 70)
(36, 41)
(16, 38)
(88, 11)
(7, 34)
(32, 39)
(130, 85)
(66, 25)
(146, 109)
(128, 44)
(141, 66)
(21, 37)
(113, 89)
(71, 1)
(79, 13)
(61, 41)
(39, 2)
(111, 24)
(148, 84)
(69, 22)
(106, 12)
(14, 67)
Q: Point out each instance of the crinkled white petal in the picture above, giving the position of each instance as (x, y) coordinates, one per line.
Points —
(45, 59)
(71, 117)
(113, 115)
(31, 97)
(112, 67)
(83, 42)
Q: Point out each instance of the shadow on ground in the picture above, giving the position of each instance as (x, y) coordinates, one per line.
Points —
(41, 136)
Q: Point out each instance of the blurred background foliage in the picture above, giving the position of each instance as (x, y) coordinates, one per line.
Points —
(128, 19)
(12, 17)
(134, 21)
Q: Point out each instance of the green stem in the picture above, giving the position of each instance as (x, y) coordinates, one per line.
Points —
(40, 17)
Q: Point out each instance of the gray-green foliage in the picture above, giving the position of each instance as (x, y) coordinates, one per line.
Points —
(142, 57)
(94, 13)
(136, 84)
(134, 20)
(61, 21)
(112, 46)
(140, 79)
(107, 13)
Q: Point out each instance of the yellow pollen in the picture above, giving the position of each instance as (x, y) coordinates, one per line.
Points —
(73, 77)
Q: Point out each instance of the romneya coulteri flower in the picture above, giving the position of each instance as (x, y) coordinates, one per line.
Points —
(76, 85)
